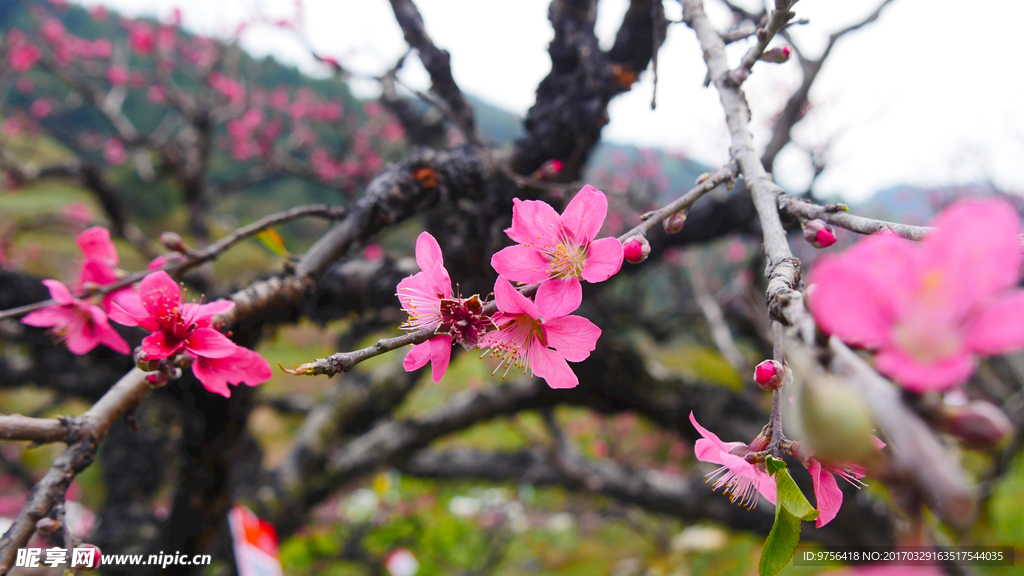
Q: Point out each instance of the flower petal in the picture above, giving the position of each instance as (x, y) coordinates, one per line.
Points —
(79, 335)
(203, 314)
(604, 260)
(574, 337)
(417, 357)
(998, 328)
(160, 295)
(96, 245)
(106, 334)
(521, 264)
(97, 272)
(128, 310)
(710, 441)
(849, 304)
(510, 301)
(208, 343)
(918, 377)
(56, 315)
(977, 247)
(584, 216)
(559, 297)
(157, 346)
(440, 355)
(533, 222)
(60, 292)
(551, 366)
(428, 252)
(827, 495)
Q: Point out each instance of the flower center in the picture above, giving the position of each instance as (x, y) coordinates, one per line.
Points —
(464, 320)
(567, 259)
(926, 340)
(513, 342)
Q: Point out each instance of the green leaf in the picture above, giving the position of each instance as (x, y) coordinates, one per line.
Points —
(774, 465)
(271, 239)
(791, 507)
(789, 496)
(781, 543)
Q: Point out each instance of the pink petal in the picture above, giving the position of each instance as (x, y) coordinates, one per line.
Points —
(208, 343)
(80, 337)
(849, 304)
(998, 328)
(533, 222)
(96, 245)
(559, 297)
(440, 281)
(440, 355)
(97, 272)
(157, 346)
(106, 334)
(130, 312)
(428, 252)
(711, 441)
(551, 366)
(827, 494)
(60, 292)
(56, 315)
(574, 337)
(604, 259)
(242, 367)
(585, 214)
(521, 264)
(510, 301)
(977, 248)
(202, 315)
(160, 295)
(919, 377)
(417, 357)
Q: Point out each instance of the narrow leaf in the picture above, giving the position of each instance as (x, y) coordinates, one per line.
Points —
(272, 240)
(781, 543)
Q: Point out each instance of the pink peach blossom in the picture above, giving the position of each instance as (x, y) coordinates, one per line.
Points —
(929, 308)
(558, 250)
(741, 479)
(114, 152)
(186, 328)
(117, 76)
(81, 325)
(536, 343)
(421, 295)
(23, 57)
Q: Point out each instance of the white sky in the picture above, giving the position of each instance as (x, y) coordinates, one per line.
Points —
(930, 94)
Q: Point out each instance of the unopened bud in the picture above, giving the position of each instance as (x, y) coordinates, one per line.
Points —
(173, 242)
(768, 375)
(636, 249)
(777, 55)
(92, 561)
(836, 423)
(549, 169)
(143, 361)
(47, 526)
(174, 373)
(156, 379)
(819, 234)
(674, 223)
(978, 424)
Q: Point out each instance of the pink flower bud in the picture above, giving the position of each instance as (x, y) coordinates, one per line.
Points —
(819, 234)
(978, 424)
(144, 362)
(156, 379)
(674, 223)
(636, 249)
(93, 560)
(768, 375)
(47, 526)
(777, 55)
(173, 241)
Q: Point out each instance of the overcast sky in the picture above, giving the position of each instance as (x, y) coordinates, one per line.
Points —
(930, 94)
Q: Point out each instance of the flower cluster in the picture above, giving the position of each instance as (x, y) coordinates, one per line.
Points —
(540, 336)
(83, 322)
(743, 476)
